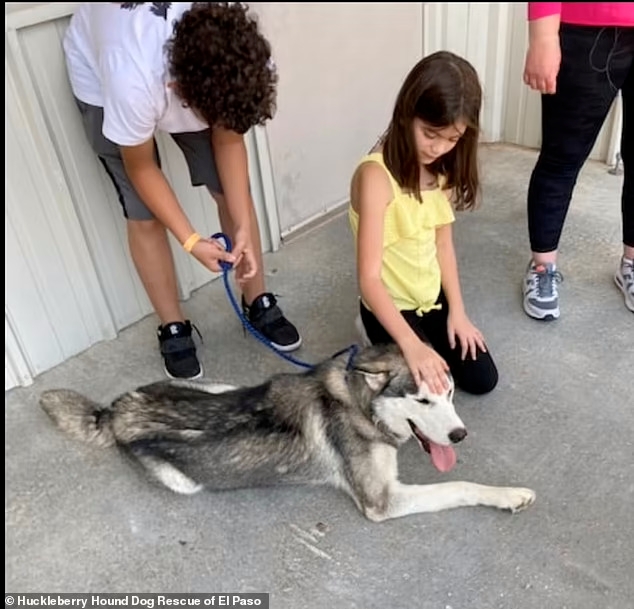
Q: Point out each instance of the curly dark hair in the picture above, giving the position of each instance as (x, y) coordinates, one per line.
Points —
(222, 65)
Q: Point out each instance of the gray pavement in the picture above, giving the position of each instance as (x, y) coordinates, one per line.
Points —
(79, 519)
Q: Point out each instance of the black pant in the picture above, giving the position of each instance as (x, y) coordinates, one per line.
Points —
(596, 63)
(474, 376)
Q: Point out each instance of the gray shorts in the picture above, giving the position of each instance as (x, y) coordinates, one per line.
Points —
(196, 147)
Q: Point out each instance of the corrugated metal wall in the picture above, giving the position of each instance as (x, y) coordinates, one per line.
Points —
(494, 37)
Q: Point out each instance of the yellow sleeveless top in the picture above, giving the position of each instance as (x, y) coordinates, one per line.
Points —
(410, 270)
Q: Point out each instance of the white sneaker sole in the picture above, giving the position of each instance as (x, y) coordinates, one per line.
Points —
(288, 348)
(539, 314)
(182, 378)
(628, 300)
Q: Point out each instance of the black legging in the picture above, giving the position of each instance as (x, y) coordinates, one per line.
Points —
(473, 376)
(596, 63)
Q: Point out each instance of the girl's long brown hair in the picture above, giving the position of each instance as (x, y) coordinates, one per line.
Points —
(441, 90)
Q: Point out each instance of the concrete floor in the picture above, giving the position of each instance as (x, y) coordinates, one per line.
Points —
(560, 421)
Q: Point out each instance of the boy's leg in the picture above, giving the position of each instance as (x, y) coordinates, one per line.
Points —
(592, 70)
(625, 274)
(154, 263)
(260, 306)
(150, 252)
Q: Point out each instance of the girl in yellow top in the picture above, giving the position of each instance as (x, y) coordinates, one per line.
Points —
(402, 199)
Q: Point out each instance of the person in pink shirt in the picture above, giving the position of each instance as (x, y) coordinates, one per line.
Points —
(580, 55)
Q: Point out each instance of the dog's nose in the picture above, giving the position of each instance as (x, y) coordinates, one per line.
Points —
(458, 435)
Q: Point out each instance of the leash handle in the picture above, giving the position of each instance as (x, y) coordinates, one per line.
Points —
(226, 243)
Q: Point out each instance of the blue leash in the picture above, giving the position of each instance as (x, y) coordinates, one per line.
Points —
(226, 268)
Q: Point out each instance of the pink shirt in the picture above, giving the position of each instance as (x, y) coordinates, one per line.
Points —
(585, 13)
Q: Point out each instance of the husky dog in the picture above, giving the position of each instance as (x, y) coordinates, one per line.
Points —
(340, 423)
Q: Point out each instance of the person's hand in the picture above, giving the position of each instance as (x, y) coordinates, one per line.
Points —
(426, 365)
(210, 253)
(246, 265)
(459, 327)
(543, 59)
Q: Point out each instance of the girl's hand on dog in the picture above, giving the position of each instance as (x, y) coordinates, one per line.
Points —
(459, 327)
(426, 365)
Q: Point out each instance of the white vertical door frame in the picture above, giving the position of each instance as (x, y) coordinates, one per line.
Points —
(263, 188)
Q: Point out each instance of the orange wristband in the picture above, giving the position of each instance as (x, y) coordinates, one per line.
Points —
(192, 240)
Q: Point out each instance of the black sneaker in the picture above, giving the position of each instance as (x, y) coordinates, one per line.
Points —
(178, 350)
(266, 317)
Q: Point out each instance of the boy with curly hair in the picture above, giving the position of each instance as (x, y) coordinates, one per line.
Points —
(203, 73)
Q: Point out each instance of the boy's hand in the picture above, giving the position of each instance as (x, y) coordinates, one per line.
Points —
(210, 253)
(246, 265)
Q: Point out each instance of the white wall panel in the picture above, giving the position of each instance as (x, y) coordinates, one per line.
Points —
(53, 303)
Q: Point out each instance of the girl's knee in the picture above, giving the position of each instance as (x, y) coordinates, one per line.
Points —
(478, 377)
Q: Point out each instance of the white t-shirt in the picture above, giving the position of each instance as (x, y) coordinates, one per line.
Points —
(115, 55)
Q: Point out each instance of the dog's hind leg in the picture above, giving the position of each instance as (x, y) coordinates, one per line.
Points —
(405, 499)
(170, 476)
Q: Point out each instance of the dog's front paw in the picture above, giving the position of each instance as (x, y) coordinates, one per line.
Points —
(517, 499)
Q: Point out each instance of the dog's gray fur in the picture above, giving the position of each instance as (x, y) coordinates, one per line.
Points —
(329, 425)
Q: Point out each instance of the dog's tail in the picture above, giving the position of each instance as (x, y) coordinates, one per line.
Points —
(78, 416)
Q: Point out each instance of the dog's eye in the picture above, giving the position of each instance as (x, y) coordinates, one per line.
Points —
(423, 401)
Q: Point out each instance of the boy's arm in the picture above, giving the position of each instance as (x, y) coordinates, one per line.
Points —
(230, 154)
(154, 190)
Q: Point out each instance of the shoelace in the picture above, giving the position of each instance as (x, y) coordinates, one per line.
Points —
(198, 332)
(547, 280)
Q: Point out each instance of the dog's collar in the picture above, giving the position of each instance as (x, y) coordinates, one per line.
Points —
(352, 350)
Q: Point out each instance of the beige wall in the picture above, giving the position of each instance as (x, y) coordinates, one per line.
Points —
(340, 68)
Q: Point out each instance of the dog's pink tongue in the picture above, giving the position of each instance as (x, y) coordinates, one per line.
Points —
(443, 457)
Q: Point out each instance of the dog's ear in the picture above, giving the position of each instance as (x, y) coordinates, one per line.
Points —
(376, 381)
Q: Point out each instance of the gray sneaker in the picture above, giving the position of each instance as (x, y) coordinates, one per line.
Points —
(624, 279)
(541, 298)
